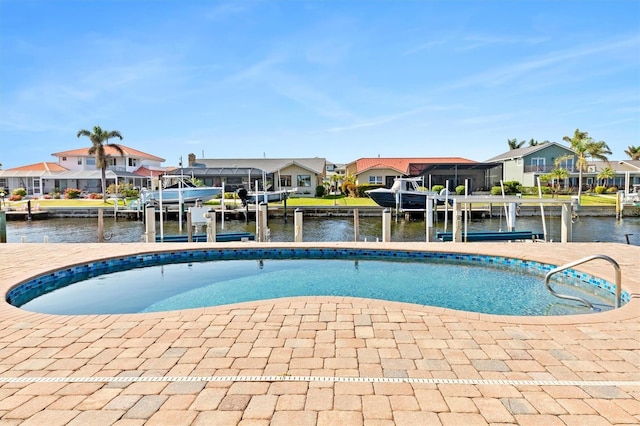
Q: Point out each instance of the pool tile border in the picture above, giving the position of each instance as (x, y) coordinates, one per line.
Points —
(53, 280)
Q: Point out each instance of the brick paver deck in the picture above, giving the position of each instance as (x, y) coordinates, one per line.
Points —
(320, 360)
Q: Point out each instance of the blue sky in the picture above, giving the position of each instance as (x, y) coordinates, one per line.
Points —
(334, 79)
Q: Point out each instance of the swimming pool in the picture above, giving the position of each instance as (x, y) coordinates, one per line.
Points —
(193, 278)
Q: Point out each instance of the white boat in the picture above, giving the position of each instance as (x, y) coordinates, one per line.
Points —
(405, 194)
(269, 196)
(183, 191)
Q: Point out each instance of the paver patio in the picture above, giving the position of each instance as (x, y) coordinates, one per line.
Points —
(320, 360)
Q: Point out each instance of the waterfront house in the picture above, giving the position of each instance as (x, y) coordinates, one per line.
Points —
(77, 169)
(526, 164)
(270, 173)
(433, 171)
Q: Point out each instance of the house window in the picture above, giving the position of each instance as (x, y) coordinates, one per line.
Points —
(375, 180)
(64, 158)
(4, 183)
(304, 180)
(537, 164)
(567, 164)
(133, 162)
(285, 181)
(111, 162)
(91, 161)
(79, 161)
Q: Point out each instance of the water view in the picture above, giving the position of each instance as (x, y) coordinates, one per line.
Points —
(76, 230)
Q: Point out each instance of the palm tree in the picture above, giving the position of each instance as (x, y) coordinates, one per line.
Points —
(555, 176)
(633, 152)
(606, 174)
(99, 138)
(514, 144)
(585, 147)
(533, 142)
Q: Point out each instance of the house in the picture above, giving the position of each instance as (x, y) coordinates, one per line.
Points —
(77, 169)
(624, 172)
(270, 173)
(433, 170)
(526, 164)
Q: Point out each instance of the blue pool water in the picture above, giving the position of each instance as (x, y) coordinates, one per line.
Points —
(198, 278)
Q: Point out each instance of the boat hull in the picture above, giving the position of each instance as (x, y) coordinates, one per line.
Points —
(271, 196)
(189, 195)
(403, 200)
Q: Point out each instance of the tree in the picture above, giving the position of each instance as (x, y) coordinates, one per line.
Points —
(514, 144)
(555, 176)
(99, 138)
(585, 147)
(606, 174)
(633, 152)
(533, 142)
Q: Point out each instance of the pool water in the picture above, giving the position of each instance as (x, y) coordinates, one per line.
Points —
(460, 285)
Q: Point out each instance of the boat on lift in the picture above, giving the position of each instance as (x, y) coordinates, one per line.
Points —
(181, 189)
(405, 194)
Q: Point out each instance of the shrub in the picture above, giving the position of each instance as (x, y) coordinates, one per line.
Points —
(360, 189)
(460, 190)
(320, 191)
(15, 197)
(512, 187)
(123, 189)
(437, 188)
(599, 189)
(612, 190)
(350, 189)
(95, 196)
(19, 191)
(71, 193)
(547, 190)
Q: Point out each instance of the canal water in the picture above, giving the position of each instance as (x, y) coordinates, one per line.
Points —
(325, 229)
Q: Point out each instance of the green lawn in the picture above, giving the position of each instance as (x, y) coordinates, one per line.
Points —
(340, 200)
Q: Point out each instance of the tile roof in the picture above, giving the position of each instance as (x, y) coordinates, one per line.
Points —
(109, 150)
(402, 164)
(145, 172)
(39, 167)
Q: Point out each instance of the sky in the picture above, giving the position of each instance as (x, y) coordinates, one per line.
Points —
(335, 79)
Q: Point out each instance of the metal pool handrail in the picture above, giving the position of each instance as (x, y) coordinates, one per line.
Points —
(579, 262)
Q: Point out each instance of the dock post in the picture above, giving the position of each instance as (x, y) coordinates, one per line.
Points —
(3, 226)
(429, 218)
(297, 226)
(150, 224)
(356, 225)
(286, 220)
(262, 210)
(386, 226)
(565, 227)
(101, 225)
(511, 220)
(189, 227)
(211, 227)
(619, 204)
(456, 226)
(29, 210)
